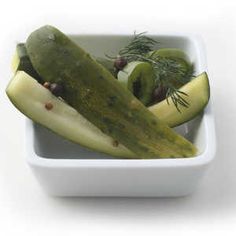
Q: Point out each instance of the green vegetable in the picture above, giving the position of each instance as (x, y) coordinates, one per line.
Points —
(30, 98)
(198, 91)
(139, 78)
(176, 70)
(170, 65)
(21, 61)
(95, 94)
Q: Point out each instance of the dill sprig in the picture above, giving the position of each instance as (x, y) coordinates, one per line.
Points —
(176, 97)
(172, 73)
(139, 45)
(169, 73)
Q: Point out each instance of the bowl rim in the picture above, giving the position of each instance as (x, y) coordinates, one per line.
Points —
(208, 121)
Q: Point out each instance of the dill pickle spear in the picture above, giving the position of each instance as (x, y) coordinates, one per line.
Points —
(94, 93)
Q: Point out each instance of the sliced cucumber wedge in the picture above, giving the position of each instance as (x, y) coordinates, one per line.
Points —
(198, 91)
(30, 98)
(139, 78)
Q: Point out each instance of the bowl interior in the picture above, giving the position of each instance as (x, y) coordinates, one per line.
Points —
(49, 145)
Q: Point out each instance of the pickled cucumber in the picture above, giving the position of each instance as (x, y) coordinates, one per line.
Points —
(93, 92)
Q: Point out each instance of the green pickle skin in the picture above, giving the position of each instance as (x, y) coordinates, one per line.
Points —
(25, 63)
(97, 95)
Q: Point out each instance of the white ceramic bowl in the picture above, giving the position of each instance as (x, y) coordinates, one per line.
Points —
(67, 169)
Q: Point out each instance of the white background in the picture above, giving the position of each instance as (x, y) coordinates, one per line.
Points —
(26, 210)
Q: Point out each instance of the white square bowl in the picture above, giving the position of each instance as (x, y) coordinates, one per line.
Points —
(67, 169)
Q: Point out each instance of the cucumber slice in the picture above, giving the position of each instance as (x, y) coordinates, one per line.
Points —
(183, 68)
(21, 61)
(93, 92)
(198, 91)
(30, 98)
(139, 78)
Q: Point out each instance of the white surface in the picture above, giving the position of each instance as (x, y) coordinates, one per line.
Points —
(66, 169)
(25, 210)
